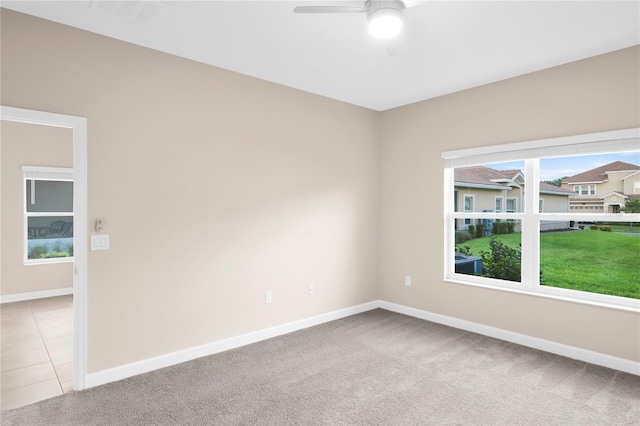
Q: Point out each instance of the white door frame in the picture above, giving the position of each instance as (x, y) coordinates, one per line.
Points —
(79, 127)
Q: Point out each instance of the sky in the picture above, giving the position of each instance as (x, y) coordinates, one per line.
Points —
(553, 168)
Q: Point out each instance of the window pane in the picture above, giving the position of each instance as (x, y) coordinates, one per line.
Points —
(49, 196)
(489, 248)
(468, 204)
(50, 236)
(589, 183)
(483, 188)
(597, 257)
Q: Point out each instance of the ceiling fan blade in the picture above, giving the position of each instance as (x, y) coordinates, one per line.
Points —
(412, 3)
(329, 9)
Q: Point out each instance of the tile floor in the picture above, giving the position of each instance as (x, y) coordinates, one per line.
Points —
(36, 350)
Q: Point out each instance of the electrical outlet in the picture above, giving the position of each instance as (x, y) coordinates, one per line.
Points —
(311, 289)
(407, 280)
(268, 297)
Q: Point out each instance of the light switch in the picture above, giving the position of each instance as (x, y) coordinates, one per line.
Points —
(100, 242)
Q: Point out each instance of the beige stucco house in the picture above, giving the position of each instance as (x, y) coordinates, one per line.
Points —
(480, 189)
(604, 189)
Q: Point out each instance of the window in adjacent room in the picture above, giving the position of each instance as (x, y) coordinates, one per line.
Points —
(48, 215)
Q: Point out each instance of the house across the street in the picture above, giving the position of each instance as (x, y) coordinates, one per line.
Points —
(604, 189)
(483, 189)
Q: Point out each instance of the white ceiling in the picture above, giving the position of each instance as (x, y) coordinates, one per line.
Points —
(451, 45)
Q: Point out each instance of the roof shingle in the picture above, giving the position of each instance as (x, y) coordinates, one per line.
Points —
(599, 174)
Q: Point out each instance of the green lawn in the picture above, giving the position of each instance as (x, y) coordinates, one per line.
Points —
(589, 260)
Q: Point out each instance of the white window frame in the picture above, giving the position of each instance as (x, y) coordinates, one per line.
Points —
(626, 140)
(464, 207)
(495, 204)
(579, 189)
(50, 174)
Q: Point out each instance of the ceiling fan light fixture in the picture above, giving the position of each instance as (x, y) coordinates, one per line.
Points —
(385, 23)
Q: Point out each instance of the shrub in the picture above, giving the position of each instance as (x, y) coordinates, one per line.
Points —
(503, 228)
(593, 227)
(41, 252)
(37, 252)
(501, 262)
(499, 228)
(472, 231)
(464, 250)
(54, 254)
(581, 227)
(605, 228)
(461, 237)
(479, 230)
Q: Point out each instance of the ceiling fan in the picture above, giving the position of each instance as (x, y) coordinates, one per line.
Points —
(384, 17)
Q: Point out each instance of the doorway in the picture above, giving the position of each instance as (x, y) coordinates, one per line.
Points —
(78, 128)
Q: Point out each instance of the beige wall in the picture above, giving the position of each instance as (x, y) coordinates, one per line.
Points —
(483, 199)
(28, 145)
(614, 183)
(213, 187)
(631, 185)
(555, 203)
(593, 95)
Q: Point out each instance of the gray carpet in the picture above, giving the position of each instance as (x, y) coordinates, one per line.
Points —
(375, 368)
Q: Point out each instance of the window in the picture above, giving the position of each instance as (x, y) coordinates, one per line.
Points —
(499, 205)
(584, 189)
(573, 252)
(468, 207)
(48, 215)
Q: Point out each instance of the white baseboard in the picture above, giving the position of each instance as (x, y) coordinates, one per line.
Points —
(35, 295)
(150, 364)
(167, 360)
(573, 352)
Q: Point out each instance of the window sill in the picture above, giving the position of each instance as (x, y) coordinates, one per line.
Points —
(52, 261)
(634, 305)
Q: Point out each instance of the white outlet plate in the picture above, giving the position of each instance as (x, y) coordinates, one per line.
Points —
(407, 280)
(268, 297)
(311, 290)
